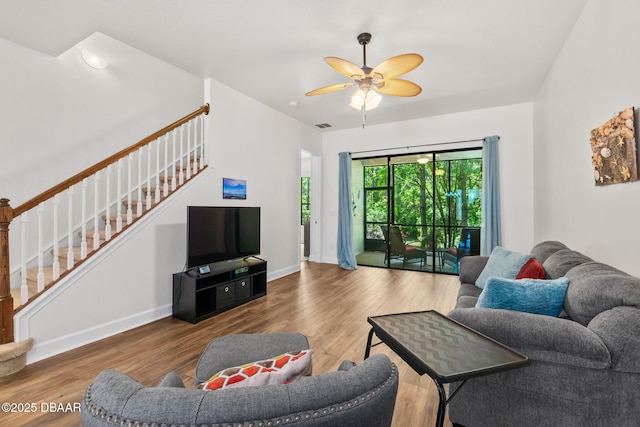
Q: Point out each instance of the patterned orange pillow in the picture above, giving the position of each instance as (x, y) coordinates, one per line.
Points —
(281, 369)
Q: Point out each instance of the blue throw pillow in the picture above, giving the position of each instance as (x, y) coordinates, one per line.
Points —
(502, 263)
(528, 295)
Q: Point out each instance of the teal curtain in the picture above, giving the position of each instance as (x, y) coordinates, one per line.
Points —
(346, 256)
(490, 231)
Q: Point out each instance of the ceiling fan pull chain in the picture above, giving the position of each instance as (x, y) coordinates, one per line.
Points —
(364, 114)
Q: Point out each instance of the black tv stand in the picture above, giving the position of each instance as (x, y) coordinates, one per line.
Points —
(228, 284)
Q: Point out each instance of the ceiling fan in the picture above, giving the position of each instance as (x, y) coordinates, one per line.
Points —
(370, 81)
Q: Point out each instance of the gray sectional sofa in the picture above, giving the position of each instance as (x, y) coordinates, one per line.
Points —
(585, 364)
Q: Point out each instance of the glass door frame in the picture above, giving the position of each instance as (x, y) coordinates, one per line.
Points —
(452, 231)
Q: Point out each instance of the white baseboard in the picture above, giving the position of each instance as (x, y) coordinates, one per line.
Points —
(273, 275)
(330, 260)
(61, 344)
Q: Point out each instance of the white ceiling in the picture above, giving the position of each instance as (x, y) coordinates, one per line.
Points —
(477, 53)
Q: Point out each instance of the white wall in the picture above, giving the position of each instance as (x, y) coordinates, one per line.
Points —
(60, 116)
(514, 125)
(594, 77)
(262, 146)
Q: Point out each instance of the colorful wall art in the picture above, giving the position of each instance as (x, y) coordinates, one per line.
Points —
(613, 146)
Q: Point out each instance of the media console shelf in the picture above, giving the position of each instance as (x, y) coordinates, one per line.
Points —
(228, 284)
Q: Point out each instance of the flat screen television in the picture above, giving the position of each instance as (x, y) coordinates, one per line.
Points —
(221, 233)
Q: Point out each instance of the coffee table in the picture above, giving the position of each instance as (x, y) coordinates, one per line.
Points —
(446, 350)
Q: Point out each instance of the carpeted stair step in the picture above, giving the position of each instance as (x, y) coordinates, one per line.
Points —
(114, 217)
(63, 252)
(101, 233)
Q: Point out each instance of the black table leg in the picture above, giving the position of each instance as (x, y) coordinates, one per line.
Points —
(442, 406)
(368, 349)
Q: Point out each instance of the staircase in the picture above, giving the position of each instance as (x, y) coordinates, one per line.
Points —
(82, 215)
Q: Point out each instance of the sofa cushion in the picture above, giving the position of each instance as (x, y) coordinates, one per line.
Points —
(618, 329)
(502, 263)
(471, 267)
(541, 338)
(527, 295)
(560, 262)
(543, 250)
(280, 369)
(595, 287)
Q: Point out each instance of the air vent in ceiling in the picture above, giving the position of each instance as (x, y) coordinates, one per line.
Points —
(323, 125)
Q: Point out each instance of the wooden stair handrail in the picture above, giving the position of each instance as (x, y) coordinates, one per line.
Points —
(47, 194)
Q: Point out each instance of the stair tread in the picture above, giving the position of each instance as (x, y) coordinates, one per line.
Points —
(62, 253)
(32, 275)
(101, 232)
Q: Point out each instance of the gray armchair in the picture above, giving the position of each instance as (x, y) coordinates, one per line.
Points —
(355, 395)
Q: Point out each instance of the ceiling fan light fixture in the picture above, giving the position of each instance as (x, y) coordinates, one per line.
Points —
(365, 98)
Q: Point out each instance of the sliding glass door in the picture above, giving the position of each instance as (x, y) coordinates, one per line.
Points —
(418, 211)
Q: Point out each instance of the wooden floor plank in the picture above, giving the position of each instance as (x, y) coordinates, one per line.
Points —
(327, 304)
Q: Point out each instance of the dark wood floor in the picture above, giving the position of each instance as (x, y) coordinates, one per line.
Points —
(329, 305)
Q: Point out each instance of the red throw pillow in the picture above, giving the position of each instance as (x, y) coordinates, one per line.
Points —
(531, 269)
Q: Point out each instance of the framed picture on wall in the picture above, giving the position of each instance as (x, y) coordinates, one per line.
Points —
(613, 150)
(234, 189)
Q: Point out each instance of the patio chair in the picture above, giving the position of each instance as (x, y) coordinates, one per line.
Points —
(469, 245)
(398, 249)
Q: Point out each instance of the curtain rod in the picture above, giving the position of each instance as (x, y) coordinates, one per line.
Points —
(419, 145)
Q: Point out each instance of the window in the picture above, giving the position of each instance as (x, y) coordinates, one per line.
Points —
(305, 201)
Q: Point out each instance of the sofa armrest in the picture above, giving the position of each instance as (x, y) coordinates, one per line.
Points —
(541, 338)
(471, 267)
(618, 328)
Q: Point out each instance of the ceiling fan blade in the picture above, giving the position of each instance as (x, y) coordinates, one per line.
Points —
(398, 65)
(344, 67)
(399, 87)
(328, 89)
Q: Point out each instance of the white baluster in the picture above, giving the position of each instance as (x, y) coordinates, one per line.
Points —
(107, 206)
(165, 186)
(202, 141)
(148, 198)
(139, 205)
(24, 288)
(157, 199)
(181, 175)
(173, 159)
(119, 198)
(70, 256)
(56, 243)
(194, 165)
(188, 167)
(40, 249)
(129, 190)
(83, 234)
(96, 212)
